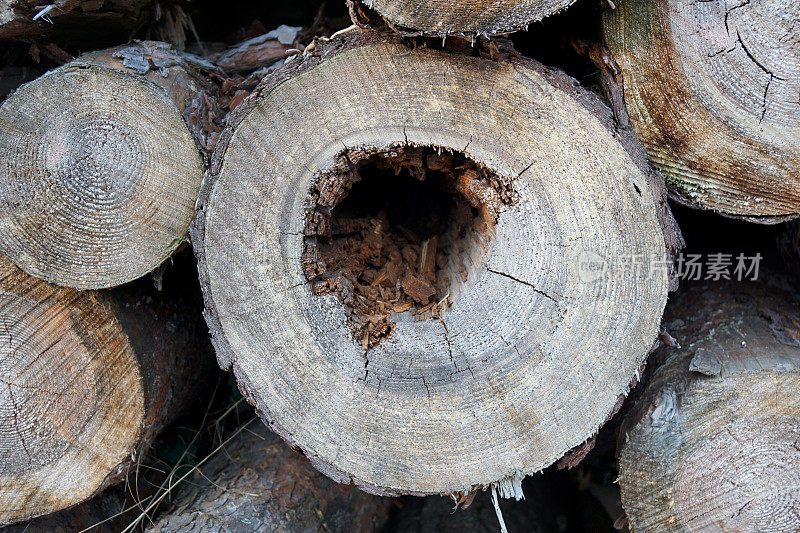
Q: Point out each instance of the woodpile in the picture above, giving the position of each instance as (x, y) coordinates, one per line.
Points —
(429, 265)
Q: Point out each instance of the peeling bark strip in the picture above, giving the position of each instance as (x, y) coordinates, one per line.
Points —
(438, 18)
(87, 379)
(279, 491)
(527, 360)
(99, 173)
(712, 443)
(713, 90)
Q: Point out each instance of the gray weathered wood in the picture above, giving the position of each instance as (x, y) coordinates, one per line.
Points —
(99, 172)
(534, 352)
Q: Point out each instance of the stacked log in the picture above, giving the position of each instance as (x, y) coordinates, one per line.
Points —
(99, 171)
(440, 18)
(712, 443)
(257, 483)
(711, 88)
(388, 378)
(87, 379)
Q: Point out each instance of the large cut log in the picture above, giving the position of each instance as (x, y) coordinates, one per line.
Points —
(87, 379)
(99, 172)
(458, 17)
(712, 443)
(440, 327)
(257, 483)
(712, 88)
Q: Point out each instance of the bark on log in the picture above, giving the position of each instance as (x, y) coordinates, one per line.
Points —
(461, 17)
(261, 51)
(487, 391)
(258, 483)
(29, 19)
(712, 443)
(712, 92)
(87, 379)
(99, 172)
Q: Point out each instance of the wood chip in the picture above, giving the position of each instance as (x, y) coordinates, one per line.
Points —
(418, 288)
(427, 259)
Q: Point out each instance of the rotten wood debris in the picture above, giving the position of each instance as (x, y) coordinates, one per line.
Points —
(380, 264)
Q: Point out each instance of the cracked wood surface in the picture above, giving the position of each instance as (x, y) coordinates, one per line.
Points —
(99, 173)
(86, 381)
(257, 483)
(528, 361)
(462, 17)
(713, 90)
(712, 443)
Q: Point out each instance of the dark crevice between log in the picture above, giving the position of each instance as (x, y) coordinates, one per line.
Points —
(396, 233)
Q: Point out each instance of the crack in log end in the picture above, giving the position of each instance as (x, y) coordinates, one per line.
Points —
(393, 232)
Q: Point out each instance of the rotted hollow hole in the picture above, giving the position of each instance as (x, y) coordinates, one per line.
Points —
(397, 235)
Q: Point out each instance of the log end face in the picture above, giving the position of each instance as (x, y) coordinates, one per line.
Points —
(713, 441)
(98, 174)
(439, 18)
(440, 404)
(46, 391)
(71, 405)
(712, 92)
(745, 478)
